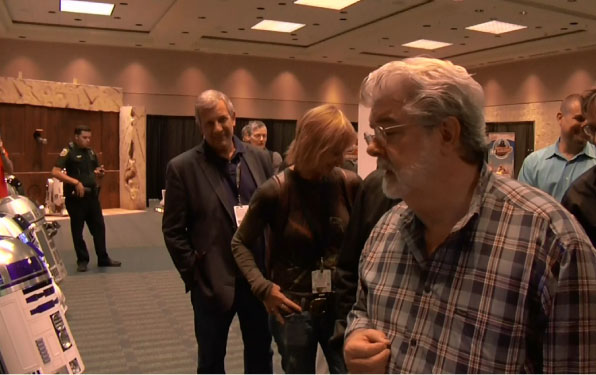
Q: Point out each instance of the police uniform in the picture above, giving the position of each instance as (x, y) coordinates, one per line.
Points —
(80, 163)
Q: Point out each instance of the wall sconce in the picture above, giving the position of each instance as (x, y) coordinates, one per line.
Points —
(37, 136)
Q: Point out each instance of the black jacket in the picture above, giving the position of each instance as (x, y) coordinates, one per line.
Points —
(198, 222)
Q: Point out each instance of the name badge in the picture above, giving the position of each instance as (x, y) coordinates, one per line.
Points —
(321, 281)
(240, 212)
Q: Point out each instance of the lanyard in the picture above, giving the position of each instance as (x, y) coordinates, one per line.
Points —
(238, 181)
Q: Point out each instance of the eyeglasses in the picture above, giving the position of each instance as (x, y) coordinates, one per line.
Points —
(381, 133)
(590, 130)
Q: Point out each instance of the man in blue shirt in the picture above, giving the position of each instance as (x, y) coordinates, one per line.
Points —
(580, 198)
(553, 168)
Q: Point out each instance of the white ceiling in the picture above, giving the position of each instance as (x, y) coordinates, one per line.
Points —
(368, 33)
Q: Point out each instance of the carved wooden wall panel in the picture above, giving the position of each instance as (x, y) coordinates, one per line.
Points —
(33, 161)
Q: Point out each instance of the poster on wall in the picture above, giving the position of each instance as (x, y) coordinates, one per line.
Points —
(501, 155)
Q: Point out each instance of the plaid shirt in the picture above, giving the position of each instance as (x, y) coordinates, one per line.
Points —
(512, 289)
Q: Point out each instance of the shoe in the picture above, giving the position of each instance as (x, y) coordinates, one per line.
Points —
(82, 267)
(110, 263)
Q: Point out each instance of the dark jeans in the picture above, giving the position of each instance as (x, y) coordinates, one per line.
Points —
(212, 327)
(87, 210)
(297, 341)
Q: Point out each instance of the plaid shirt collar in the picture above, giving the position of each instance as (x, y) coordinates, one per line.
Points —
(413, 229)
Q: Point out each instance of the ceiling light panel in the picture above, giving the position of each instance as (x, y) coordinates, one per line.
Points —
(426, 44)
(278, 26)
(496, 27)
(87, 7)
(329, 4)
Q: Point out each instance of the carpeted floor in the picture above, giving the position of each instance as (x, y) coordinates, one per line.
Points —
(137, 318)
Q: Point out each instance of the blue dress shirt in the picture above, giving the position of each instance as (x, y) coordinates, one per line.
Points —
(548, 170)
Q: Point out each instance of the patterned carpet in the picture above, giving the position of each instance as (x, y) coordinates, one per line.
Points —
(137, 318)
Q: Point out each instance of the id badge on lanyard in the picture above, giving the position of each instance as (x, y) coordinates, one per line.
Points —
(321, 280)
(239, 209)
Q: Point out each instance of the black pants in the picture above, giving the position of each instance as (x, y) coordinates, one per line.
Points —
(212, 327)
(87, 210)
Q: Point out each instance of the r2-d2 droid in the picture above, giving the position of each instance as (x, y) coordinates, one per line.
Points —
(36, 338)
(42, 230)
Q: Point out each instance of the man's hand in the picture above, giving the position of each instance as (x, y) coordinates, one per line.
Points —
(277, 303)
(367, 352)
(80, 189)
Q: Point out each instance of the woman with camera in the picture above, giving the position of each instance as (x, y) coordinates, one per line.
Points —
(306, 209)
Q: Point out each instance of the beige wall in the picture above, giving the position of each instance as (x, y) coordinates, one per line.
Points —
(166, 82)
(532, 90)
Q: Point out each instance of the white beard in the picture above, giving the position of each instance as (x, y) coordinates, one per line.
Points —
(398, 184)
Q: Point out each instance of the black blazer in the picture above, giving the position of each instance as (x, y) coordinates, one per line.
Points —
(198, 223)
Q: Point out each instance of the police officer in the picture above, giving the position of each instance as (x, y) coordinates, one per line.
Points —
(81, 190)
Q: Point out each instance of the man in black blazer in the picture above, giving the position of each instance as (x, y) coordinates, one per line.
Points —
(207, 188)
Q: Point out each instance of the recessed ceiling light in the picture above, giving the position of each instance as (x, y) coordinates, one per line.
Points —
(426, 44)
(329, 4)
(87, 7)
(278, 26)
(496, 27)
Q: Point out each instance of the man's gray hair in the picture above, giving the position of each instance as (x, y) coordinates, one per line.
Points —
(246, 131)
(209, 100)
(436, 89)
(256, 124)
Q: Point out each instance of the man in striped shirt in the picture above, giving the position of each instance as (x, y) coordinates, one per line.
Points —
(472, 272)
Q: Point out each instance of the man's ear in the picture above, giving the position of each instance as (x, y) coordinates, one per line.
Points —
(559, 116)
(450, 131)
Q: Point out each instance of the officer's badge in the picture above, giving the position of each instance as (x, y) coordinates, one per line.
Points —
(79, 156)
(64, 152)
